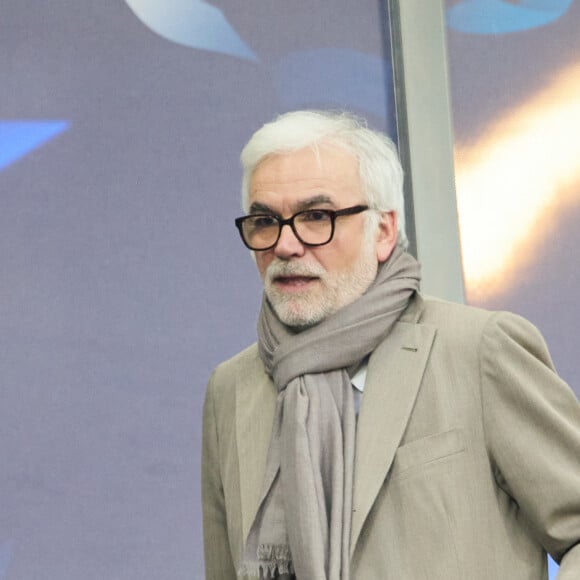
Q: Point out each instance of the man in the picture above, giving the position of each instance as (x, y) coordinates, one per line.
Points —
(462, 458)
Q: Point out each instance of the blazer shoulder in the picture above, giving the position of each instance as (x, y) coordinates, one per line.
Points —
(461, 324)
(245, 359)
(437, 311)
(442, 313)
(245, 363)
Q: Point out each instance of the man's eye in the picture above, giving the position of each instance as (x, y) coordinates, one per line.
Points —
(263, 221)
(315, 216)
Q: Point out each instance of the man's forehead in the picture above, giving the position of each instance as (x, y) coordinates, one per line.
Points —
(322, 175)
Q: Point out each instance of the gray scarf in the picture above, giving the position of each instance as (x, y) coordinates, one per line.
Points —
(302, 526)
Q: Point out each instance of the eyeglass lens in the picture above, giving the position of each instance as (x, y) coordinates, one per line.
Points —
(312, 227)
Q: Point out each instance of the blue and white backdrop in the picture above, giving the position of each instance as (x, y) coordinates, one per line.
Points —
(122, 280)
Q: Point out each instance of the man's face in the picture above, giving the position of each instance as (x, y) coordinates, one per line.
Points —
(305, 284)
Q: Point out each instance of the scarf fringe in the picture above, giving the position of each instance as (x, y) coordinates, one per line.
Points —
(274, 552)
(273, 560)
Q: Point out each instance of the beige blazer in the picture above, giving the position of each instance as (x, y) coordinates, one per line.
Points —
(467, 453)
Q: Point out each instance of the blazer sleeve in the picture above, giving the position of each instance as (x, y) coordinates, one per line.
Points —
(532, 422)
(218, 560)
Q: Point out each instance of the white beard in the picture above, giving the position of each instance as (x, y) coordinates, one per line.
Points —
(331, 292)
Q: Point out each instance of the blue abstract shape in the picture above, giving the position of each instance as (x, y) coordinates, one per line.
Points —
(339, 76)
(552, 569)
(5, 558)
(501, 17)
(18, 138)
(193, 23)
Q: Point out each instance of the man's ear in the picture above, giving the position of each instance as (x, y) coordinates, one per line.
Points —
(387, 236)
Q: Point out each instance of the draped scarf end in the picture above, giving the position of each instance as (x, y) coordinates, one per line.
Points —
(273, 560)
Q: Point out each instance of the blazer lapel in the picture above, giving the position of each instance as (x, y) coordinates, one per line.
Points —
(394, 374)
(255, 408)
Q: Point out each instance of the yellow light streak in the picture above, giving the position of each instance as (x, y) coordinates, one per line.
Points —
(515, 181)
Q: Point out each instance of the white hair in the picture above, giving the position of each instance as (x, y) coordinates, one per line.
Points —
(380, 170)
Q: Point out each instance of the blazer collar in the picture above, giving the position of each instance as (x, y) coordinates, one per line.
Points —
(395, 372)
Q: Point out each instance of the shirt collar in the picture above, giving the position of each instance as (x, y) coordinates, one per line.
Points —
(359, 378)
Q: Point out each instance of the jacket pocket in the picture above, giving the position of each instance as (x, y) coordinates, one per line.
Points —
(427, 450)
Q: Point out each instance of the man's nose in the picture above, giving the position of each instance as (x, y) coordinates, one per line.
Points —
(288, 244)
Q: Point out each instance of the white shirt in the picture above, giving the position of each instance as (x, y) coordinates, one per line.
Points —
(358, 381)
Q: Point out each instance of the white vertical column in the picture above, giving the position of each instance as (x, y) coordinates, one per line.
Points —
(426, 142)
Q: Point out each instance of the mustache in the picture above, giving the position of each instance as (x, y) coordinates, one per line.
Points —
(278, 269)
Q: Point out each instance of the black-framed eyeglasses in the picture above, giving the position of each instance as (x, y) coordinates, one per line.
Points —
(313, 227)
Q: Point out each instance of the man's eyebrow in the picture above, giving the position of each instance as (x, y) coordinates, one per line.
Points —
(313, 201)
(258, 207)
